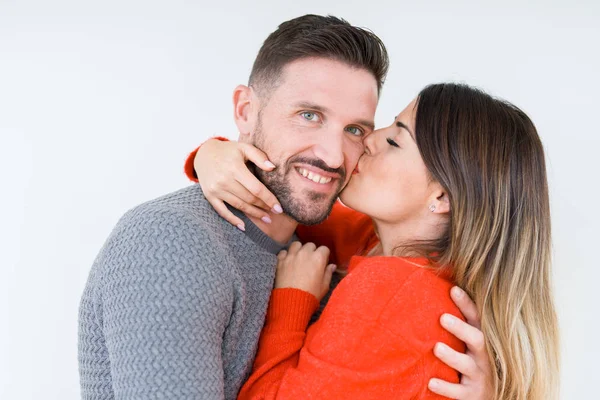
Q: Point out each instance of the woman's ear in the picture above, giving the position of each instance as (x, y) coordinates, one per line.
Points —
(243, 104)
(443, 206)
(440, 203)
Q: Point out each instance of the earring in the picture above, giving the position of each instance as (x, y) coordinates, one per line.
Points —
(432, 208)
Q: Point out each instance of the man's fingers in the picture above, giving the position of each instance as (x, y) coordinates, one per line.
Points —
(466, 306)
(443, 388)
(472, 336)
(454, 359)
(224, 212)
(257, 156)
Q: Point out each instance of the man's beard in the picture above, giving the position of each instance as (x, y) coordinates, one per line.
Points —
(276, 181)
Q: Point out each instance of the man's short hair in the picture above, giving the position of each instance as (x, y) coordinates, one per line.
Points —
(318, 36)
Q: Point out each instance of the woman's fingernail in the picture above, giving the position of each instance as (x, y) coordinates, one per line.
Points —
(269, 164)
(457, 292)
(241, 227)
(433, 383)
(448, 320)
(277, 209)
(266, 219)
(440, 348)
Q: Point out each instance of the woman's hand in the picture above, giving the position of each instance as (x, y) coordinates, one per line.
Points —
(224, 177)
(304, 267)
(474, 366)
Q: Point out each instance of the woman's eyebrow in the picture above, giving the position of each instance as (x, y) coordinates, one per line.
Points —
(400, 124)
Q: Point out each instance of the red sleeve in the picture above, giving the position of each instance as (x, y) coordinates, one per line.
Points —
(188, 167)
(346, 232)
(281, 339)
(374, 340)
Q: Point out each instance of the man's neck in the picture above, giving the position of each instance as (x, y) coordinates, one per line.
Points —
(281, 229)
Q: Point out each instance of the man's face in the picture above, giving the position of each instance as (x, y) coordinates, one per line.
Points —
(312, 127)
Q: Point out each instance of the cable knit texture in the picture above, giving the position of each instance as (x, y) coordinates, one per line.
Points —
(174, 303)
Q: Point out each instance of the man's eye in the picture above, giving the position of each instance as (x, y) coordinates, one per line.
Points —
(310, 116)
(354, 130)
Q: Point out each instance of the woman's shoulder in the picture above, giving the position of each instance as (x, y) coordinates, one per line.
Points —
(408, 298)
(385, 278)
(405, 271)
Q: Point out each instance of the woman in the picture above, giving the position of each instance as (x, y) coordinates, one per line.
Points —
(457, 193)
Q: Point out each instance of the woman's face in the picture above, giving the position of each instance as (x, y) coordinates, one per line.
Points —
(391, 183)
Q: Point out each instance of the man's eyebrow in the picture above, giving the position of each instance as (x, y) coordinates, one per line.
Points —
(400, 124)
(369, 124)
(311, 106)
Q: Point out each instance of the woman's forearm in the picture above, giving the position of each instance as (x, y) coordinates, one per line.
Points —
(280, 343)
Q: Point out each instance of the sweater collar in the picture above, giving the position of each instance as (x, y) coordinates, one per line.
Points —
(259, 237)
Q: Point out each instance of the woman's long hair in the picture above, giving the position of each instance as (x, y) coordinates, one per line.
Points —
(488, 156)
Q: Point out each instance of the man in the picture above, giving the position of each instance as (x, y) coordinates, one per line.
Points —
(176, 299)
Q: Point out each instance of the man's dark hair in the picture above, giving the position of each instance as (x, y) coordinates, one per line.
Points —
(318, 36)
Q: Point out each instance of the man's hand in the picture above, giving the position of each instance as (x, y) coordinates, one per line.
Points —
(474, 366)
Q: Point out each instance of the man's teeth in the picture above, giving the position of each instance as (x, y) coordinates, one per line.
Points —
(313, 176)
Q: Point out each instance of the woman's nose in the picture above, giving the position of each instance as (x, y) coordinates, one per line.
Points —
(370, 143)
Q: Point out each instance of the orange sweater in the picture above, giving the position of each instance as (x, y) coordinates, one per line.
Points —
(375, 337)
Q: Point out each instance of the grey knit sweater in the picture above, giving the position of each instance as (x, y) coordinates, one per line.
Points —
(174, 303)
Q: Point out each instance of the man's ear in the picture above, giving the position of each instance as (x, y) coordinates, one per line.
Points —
(244, 103)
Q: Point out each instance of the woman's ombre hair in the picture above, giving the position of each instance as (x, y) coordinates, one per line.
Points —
(488, 156)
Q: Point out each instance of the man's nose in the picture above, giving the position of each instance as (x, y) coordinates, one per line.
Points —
(330, 149)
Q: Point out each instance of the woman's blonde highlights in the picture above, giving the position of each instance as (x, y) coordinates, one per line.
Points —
(488, 156)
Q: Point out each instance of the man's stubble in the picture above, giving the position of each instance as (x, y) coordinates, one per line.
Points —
(278, 183)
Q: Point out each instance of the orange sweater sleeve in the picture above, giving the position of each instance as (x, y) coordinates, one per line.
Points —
(188, 166)
(374, 340)
(281, 339)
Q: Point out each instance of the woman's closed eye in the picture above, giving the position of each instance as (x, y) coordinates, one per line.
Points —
(392, 142)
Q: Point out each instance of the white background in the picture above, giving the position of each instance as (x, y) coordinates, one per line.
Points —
(101, 101)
